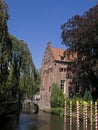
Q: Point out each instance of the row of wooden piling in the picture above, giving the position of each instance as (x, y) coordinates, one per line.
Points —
(85, 115)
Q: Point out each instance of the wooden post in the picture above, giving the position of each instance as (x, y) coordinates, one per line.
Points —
(70, 115)
(65, 116)
(77, 114)
(91, 114)
(86, 115)
(96, 117)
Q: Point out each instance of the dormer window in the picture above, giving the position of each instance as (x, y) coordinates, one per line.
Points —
(62, 58)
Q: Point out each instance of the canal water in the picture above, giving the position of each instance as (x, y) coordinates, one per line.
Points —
(40, 121)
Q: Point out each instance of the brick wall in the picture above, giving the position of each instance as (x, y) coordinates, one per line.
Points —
(52, 71)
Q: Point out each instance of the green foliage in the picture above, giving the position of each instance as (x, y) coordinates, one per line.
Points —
(57, 111)
(87, 96)
(18, 75)
(80, 35)
(57, 97)
(29, 77)
(81, 102)
(5, 50)
(36, 85)
(74, 99)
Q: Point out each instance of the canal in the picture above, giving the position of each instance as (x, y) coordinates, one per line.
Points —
(40, 121)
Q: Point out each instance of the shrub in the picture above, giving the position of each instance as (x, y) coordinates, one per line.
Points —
(57, 111)
(57, 97)
(74, 99)
(87, 96)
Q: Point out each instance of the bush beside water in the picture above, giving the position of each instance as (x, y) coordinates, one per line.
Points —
(57, 104)
(57, 100)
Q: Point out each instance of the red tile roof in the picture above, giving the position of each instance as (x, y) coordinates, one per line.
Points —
(58, 53)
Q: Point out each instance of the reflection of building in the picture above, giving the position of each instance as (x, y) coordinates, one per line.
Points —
(54, 69)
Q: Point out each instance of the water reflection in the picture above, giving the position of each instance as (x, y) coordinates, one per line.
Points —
(8, 123)
(40, 121)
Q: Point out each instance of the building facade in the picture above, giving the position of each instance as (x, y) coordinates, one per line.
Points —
(54, 70)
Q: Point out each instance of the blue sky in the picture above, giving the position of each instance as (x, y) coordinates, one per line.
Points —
(38, 22)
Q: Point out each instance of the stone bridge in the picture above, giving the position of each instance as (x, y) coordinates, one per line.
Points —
(37, 102)
(31, 106)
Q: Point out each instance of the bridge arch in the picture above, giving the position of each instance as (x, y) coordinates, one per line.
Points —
(36, 108)
(29, 106)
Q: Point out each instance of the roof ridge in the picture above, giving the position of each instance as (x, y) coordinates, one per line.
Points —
(58, 48)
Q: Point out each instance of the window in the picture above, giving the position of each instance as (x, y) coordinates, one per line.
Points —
(62, 84)
(49, 88)
(62, 69)
(50, 68)
(62, 58)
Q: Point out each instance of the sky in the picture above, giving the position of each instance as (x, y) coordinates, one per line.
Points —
(38, 22)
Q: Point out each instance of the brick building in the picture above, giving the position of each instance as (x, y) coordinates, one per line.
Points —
(54, 69)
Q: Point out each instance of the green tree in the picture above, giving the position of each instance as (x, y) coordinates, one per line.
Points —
(80, 34)
(57, 97)
(5, 49)
(36, 83)
(18, 75)
(28, 75)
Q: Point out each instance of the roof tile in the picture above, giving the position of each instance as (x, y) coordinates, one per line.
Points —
(58, 53)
